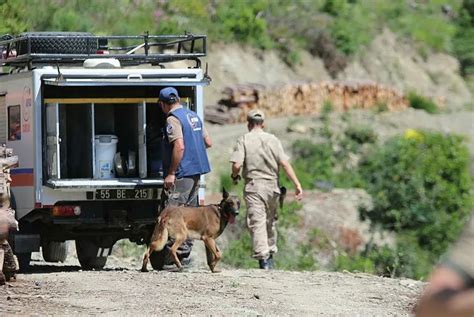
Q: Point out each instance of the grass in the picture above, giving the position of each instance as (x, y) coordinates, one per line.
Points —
(288, 25)
(420, 102)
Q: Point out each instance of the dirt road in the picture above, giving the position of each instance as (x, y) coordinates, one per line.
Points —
(122, 290)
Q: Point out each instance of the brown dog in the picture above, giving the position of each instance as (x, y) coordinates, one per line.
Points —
(198, 223)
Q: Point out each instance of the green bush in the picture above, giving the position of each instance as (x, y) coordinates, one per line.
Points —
(313, 162)
(420, 183)
(419, 102)
(463, 41)
(361, 134)
(405, 259)
(238, 252)
(353, 29)
(334, 7)
(241, 21)
(326, 165)
(13, 14)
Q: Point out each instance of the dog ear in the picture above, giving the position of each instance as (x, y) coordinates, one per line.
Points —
(225, 194)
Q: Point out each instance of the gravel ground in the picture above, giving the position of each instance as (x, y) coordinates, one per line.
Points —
(120, 289)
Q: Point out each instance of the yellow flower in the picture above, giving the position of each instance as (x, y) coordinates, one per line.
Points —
(412, 134)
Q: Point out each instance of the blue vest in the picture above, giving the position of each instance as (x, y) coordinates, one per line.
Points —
(194, 161)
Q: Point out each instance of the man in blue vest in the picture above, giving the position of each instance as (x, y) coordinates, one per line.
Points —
(184, 155)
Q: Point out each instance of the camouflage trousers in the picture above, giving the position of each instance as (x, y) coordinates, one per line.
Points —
(8, 265)
(261, 198)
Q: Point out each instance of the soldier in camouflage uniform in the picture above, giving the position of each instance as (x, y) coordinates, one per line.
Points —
(8, 262)
(260, 155)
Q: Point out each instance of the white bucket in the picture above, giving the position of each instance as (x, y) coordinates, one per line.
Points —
(105, 148)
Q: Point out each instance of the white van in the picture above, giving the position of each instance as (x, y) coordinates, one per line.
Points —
(82, 114)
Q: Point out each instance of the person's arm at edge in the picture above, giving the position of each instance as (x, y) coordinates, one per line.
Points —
(207, 138)
(459, 304)
(207, 141)
(292, 176)
(237, 159)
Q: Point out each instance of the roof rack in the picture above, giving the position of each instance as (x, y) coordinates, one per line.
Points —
(43, 48)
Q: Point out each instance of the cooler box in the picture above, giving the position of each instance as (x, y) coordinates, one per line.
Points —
(105, 148)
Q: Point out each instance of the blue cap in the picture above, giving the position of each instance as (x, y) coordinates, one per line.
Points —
(169, 95)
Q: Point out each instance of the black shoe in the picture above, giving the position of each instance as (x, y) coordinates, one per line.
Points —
(267, 264)
(264, 264)
(271, 264)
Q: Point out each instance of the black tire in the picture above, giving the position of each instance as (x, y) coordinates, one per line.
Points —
(158, 259)
(58, 43)
(54, 251)
(87, 255)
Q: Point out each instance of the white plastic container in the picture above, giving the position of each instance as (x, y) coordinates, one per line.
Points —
(105, 148)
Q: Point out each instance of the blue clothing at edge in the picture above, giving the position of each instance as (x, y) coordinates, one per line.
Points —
(194, 161)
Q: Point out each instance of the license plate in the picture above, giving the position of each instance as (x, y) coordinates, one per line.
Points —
(130, 194)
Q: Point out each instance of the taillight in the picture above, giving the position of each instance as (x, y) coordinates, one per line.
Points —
(66, 211)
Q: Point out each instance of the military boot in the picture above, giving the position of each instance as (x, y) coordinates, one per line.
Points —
(266, 264)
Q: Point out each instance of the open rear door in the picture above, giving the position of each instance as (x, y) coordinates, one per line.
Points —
(142, 163)
(53, 140)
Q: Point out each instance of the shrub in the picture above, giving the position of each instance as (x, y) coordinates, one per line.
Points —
(242, 21)
(238, 252)
(361, 134)
(463, 41)
(329, 164)
(420, 184)
(419, 102)
(312, 162)
(326, 109)
(353, 27)
(334, 7)
(406, 259)
(12, 13)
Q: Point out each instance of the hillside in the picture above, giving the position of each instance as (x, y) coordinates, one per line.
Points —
(421, 48)
(389, 60)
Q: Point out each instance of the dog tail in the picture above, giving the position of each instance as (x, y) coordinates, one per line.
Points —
(160, 235)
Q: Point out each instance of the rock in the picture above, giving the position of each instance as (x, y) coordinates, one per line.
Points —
(409, 283)
(298, 128)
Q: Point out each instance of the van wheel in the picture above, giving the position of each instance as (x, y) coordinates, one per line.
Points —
(87, 255)
(54, 251)
(158, 259)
